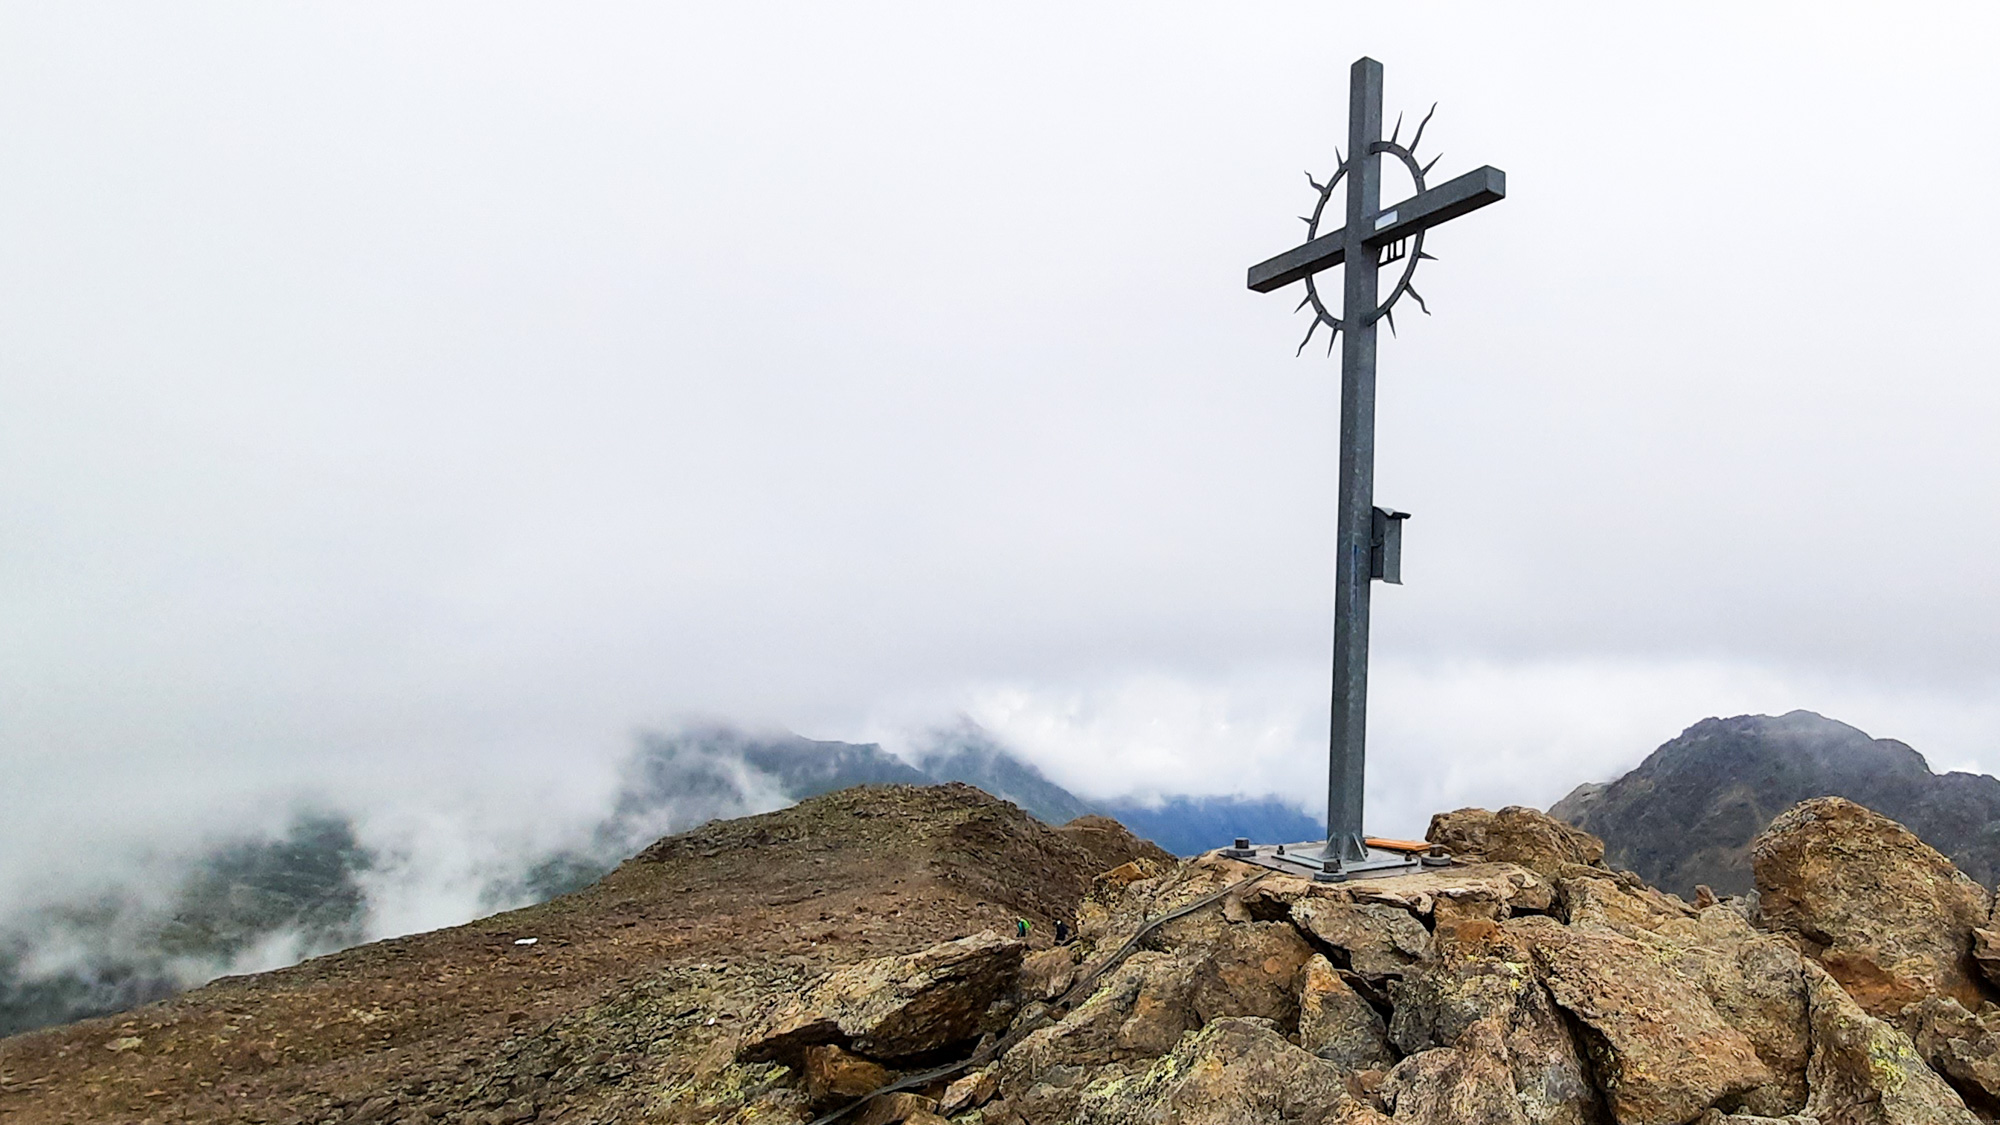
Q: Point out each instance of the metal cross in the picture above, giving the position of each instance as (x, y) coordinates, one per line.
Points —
(1369, 537)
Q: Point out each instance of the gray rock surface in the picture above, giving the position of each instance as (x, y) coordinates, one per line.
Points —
(1375, 940)
(1756, 984)
(1467, 1084)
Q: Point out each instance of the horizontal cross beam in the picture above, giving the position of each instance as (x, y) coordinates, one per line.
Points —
(1422, 211)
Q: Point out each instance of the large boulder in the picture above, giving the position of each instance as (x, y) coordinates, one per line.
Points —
(1516, 834)
(1865, 1072)
(1888, 916)
(1620, 901)
(1248, 969)
(1338, 1024)
(1231, 1072)
(894, 1007)
(1139, 1010)
(1660, 1051)
(1143, 1008)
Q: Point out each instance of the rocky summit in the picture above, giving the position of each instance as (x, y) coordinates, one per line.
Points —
(860, 958)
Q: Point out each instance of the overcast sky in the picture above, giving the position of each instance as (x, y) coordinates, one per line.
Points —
(418, 399)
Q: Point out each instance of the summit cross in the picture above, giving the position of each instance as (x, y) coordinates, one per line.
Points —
(1368, 545)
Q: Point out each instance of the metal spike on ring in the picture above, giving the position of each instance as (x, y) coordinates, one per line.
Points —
(1419, 138)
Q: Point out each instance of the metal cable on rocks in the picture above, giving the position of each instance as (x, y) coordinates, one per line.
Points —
(1080, 990)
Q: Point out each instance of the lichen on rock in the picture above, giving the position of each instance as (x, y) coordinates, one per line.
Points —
(1338, 1024)
(1234, 1071)
(1865, 1072)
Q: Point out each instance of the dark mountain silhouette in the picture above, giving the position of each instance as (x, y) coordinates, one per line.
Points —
(1687, 814)
(675, 781)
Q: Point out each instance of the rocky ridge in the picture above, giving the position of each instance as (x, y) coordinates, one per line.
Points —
(742, 979)
(1528, 984)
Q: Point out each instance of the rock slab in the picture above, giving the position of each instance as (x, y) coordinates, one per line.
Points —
(1516, 834)
(1234, 1071)
(894, 1007)
(1660, 1051)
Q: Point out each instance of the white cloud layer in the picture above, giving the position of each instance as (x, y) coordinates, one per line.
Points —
(405, 404)
(1442, 734)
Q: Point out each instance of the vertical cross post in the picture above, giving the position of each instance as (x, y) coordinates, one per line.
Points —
(1348, 743)
(1358, 246)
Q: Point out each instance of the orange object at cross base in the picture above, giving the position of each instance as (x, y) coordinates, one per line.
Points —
(1407, 846)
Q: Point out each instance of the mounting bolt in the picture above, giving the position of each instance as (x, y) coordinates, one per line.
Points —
(1330, 872)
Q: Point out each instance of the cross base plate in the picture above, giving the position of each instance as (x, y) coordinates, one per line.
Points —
(1309, 860)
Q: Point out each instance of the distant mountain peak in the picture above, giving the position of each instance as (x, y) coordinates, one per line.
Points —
(1686, 815)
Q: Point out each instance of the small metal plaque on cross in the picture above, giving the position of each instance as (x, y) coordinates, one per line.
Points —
(1369, 543)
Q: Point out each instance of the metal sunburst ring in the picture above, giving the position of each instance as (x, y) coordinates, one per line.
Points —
(1415, 253)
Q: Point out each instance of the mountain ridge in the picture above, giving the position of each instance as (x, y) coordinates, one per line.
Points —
(256, 902)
